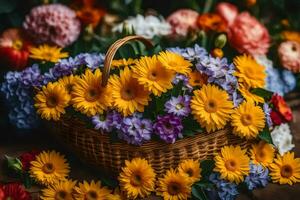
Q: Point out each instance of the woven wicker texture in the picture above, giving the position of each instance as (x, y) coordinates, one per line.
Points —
(96, 149)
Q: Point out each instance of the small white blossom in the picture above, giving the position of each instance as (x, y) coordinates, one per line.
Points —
(282, 138)
(147, 27)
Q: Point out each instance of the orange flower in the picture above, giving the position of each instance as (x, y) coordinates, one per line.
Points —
(197, 79)
(212, 22)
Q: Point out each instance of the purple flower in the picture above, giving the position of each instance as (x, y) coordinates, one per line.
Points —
(135, 130)
(101, 122)
(258, 177)
(225, 190)
(114, 119)
(267, 111)
(179, 106)
(168, 127)
(185, 81)
(192, 54)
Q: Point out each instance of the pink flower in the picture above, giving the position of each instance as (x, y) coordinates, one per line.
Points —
(247, 35)
(289, 55)
(54, 24)
(182, 21)
(227, 11)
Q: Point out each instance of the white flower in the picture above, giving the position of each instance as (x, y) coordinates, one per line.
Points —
(264, 61)
(282, 138)
(147, 27)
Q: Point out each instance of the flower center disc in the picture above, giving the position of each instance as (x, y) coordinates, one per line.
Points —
(174, 188)
(127, 94)
(61, 195)
(52, 101)
(231, 165)
(92, 95)
(286, 171)
(211, 106)
(246, 119)
(250, 72)
(91, 195)
(260, 156)
(69, 87)
(153, 76)
(179, 106)
(136, 180)
(48, 168)
(17, 44)
(190, 172)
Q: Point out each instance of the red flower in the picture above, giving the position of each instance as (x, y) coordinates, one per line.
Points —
(276, 118)
(14, 49)
(14, 191)
(26, 158)
(1, 193)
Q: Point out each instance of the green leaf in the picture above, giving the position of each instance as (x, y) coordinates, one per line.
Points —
(187, 132)
(204, 184)
(198, 193)
(191, 126)
(262, 93)
(14, 163)
(207, 167)
(266, 135)
(7, 6)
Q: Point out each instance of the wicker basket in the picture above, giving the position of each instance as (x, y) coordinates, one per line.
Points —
(97, 149)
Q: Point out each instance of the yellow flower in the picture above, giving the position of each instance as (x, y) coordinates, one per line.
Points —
(262, 153)
(197, 79)
(68, 82)
(59, 190)
(174, 185)
(285, 169)
(91, 191)
(211, 107)
(128, 95)
(47, 53)
(137, 178)
(291, 36)
(249, 71)
(89, 96)
(123, 63)
(152, 75)
(175, 62)
(51, 101)
(191, 168)
(49, 167)
(232, 163)
(249, 96)
(248, 120)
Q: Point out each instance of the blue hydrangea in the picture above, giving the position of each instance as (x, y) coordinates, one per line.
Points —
(289, 81)
(224, 189)
(258, 177)
(273, 81)
(18, 91)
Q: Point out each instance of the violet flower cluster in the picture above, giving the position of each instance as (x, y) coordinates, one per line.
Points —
(225, 190)
(179, 106)
(18, 90)
(258, 177)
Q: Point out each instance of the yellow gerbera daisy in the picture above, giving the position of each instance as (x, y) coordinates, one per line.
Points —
(191, 168)
(232, 163)
(128, 95)
(248, 120)
(51, 101)
(47, 53)
(68, 82)
(262, 153)
(211, 107)
(285, 169)
(249, 71)
(48, 167)
(89, 96)
(137, 178)
(175, 62)
(91, 191)
(249, 96)
(153, 76)
(123, 63)
(174, 185)
(197, 79)
(59, 190)
(291, 36)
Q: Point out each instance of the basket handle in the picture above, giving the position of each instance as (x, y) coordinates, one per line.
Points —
(114, 48)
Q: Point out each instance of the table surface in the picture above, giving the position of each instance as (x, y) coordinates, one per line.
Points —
(42, 141)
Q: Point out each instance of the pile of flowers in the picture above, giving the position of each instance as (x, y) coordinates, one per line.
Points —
(222, 177)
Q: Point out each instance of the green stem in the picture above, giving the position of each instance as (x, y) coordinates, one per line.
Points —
(207, 6)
